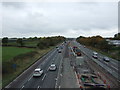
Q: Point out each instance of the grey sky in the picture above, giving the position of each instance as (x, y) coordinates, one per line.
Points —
(66, 19)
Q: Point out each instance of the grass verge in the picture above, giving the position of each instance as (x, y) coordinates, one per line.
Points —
(23, 61)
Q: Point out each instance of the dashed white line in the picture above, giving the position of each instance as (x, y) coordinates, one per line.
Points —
(38, 87)
(59, 87)
(58, 73)
(61, 74)
(43, 77)
(29, 78)
(114, 67)
(106, 62)
(48, 69)
(22, 87)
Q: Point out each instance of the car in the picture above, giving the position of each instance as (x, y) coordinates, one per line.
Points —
(95, 53)
(106, 59)
(78, 54)
(95, 56)
(37, 72)
(59, 51)
(52, 67)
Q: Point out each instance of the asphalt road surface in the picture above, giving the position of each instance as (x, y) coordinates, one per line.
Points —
(54, 79)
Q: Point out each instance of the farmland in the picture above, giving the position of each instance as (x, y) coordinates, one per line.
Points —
(22, 57)
(10, 52)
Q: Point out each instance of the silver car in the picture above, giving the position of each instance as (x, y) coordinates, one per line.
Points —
(106, 59)
(38, 72)
(52, 67)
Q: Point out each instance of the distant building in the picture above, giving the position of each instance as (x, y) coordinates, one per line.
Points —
(113, 42)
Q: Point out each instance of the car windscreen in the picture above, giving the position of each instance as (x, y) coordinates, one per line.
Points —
(36, 71)
(52, 66)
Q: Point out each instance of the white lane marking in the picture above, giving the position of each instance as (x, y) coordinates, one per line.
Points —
(79, 57)
(77, 78)
(59, 87)
(48, 69)
(29, 78)
(8, 86)
(115, 68)
(43, 77)
(106, 62)
(46, 59)
(22, 87)
(114, 63)
(38, 87)
(58, 73)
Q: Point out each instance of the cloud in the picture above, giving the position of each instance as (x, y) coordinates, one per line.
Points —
(69, 19)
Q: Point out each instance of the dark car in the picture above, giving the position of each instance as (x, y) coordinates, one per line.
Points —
(106, 59)
(59, 51)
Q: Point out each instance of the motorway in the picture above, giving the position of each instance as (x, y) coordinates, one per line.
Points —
(47, 80)
(112, 67)
(64, 76)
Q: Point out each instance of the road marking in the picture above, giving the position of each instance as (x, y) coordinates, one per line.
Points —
(77, 78)
(46, 59)
(8, 86)
(114, 63)
(38, 87)
(43, 77)
(79, 57)
(58, 72)
(59, 87)
(106, 62)
(29, 78)
(115, 68)
(22, 87)
(48, 69)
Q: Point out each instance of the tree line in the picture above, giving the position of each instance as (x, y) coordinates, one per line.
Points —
(42, 42)
(96, 42)
(50, 41)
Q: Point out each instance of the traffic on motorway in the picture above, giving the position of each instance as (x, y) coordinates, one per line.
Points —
(52, 70)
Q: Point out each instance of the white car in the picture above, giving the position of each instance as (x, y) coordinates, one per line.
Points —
(95, 56)
(38, 72)
(106, 59)
(59, 51)
(95, 53)
(52, 67)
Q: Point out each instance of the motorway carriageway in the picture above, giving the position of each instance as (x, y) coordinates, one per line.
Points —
(112, 67)
(47, 80)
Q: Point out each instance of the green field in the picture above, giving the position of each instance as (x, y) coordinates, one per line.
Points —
(10, 52)
(25, 57)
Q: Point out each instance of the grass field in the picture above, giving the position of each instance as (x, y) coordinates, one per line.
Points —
(25, 57)
(10, 52)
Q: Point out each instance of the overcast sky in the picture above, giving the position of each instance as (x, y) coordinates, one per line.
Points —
(68, 19)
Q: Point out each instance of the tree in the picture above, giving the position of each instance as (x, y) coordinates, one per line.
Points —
(20, 41)
(5, 41)
(117, 36)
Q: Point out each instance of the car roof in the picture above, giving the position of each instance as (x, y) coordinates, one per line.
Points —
(37, 69)
(52, 64)
(106, 58)
(95, 52)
